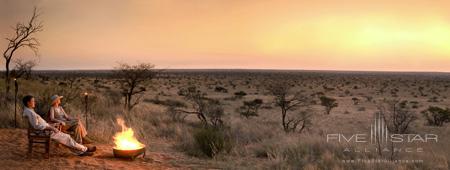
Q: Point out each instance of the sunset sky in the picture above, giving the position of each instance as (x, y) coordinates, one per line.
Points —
(379, 35)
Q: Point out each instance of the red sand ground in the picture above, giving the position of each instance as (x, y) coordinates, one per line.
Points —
(13, 155)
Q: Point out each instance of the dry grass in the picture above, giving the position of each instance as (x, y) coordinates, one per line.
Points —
(260, 142)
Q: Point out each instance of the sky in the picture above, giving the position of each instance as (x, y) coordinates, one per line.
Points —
(381, 35)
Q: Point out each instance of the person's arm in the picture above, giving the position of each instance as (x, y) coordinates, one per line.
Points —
(48, 127)
(34, 122)
(52, 116)
(65, 114)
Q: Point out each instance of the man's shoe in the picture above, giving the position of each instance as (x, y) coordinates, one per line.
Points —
(91, 149)
(86, 154)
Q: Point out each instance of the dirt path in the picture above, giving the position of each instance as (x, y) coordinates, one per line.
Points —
(13, 155)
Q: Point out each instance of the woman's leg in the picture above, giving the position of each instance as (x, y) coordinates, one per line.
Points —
(79, 132)
(83, 131)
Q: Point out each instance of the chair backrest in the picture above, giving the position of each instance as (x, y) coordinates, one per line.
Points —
(30, 128)
(42, 109)
(31, 132)
(47, 116)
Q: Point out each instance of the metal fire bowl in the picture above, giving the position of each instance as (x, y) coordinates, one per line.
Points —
(130, 154)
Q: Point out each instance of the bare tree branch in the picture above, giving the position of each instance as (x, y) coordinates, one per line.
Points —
(24, 37)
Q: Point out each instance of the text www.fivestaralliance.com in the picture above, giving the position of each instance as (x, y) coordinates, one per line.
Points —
(401, 161)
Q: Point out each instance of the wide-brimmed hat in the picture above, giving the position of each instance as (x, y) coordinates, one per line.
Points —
(54, 97)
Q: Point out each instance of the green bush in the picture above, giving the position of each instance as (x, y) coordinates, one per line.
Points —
(211, 141)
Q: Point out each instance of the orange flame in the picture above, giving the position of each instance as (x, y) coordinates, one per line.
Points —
(125, 140)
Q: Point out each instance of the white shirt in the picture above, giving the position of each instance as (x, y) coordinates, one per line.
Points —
(35, 120)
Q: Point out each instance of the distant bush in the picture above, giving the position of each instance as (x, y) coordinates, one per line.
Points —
(433, 99)
(326, 88)
(212, 141)
(250, 108)
(329, 103)
(320, 93)
(436, 116)
(209, 111)
(415, 104)
(355, 101)
(398, 115)
(182, 92)
(361, 109)
(240, 94)
(221, 89)
(167, 102)
(369, 98)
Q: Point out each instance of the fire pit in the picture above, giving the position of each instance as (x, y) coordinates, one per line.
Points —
(127, 146)
(131, 154)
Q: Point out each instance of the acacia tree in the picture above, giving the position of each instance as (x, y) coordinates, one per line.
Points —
(329, 103)
(24, 37)
(289, 101)
(250, 108)
(132, 80)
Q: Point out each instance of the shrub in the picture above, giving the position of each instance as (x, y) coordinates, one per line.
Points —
(433, 99)
(361, 109)
(211, 141)
(221, 89)
(436, 116)
(209, 111)
(214, 112)
(250, 108)
(167, 102)
(329, 103)
(182, 92)
(240, 94)
(175, 115)
(397, 114)
(355, 101)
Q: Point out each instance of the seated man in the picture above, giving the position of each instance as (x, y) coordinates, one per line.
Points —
(38, 123)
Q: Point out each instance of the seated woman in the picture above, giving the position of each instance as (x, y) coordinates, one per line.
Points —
(69, 124)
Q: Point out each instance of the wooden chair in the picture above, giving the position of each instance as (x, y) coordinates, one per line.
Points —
(39, 137)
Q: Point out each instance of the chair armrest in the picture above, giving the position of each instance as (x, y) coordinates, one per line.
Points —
(56, 125)
(41, 133)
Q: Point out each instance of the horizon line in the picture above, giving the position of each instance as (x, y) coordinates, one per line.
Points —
(259, 69)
